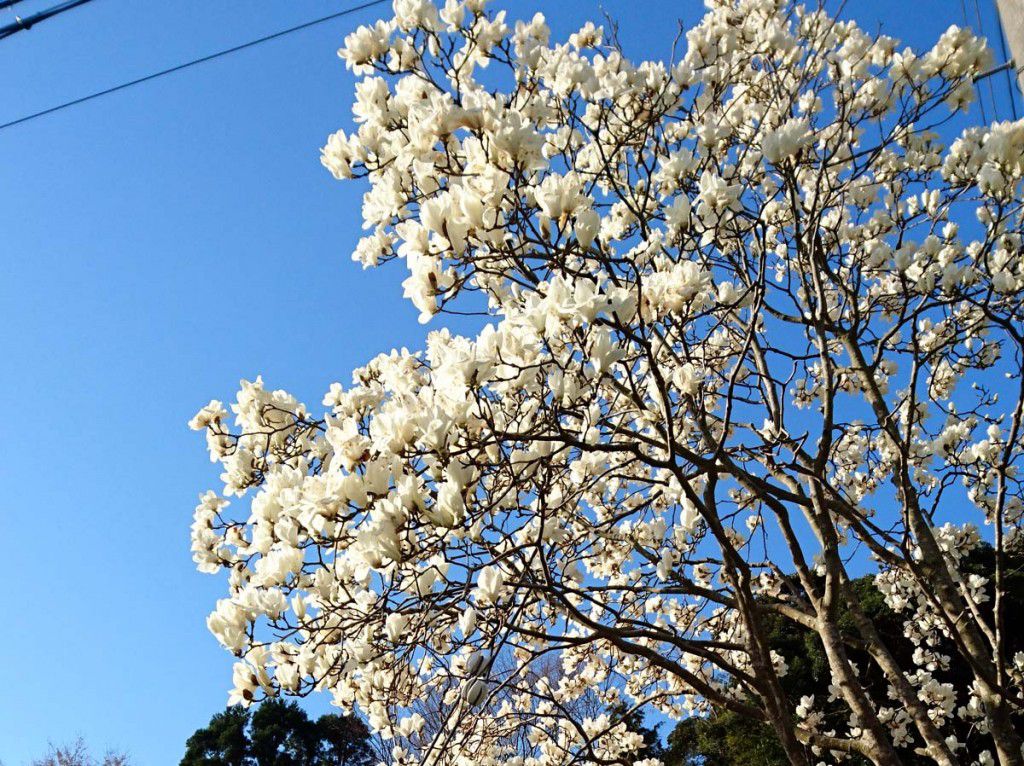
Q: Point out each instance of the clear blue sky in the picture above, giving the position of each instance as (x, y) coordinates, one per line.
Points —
(159, 244)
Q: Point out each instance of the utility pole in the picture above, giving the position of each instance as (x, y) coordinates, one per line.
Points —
(1011, 17)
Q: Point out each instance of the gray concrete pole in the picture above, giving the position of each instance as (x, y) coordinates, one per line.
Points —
(1011, 16)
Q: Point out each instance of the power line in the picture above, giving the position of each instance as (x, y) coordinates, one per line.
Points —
(8, 3)
(977, 87)
(30, 21)
(981, 31)
(193, 62)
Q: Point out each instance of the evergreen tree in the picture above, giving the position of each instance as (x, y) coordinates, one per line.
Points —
(345, 741)
(222, 742)
(279, 733)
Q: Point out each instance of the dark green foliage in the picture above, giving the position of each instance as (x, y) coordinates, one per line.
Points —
(279, 733)
(282, 735)
(723, 740)
(346, 739)
(726, 739)
(222, 743)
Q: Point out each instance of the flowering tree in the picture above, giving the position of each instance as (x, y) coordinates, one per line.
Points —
(753, 330)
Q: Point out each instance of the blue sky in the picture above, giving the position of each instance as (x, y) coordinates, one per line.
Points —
(159, 244)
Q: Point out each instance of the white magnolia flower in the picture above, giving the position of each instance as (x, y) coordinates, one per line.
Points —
(752, 333)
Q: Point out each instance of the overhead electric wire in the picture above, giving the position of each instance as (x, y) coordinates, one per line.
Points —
(981, 31)
(193, 62)
(28, 22)
(977, 87)
(8, 3)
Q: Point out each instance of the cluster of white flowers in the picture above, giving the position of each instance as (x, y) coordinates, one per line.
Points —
(671, 253)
